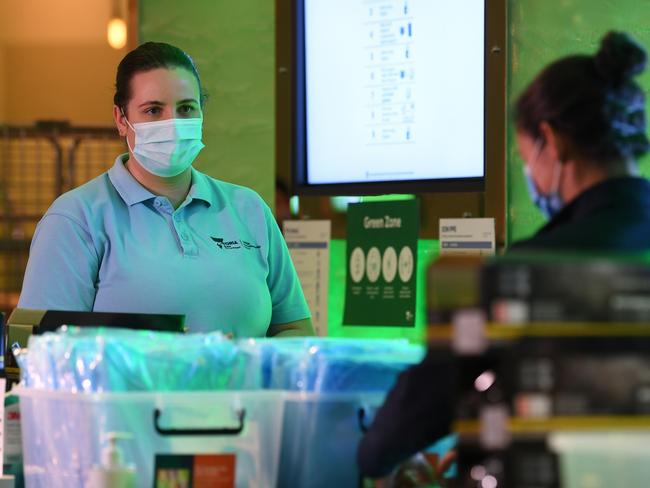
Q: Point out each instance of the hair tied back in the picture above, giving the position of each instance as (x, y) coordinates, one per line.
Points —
(620, 58)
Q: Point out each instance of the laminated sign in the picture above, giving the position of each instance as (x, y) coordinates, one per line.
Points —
(195, 471)
(382, 263)
(309, 245)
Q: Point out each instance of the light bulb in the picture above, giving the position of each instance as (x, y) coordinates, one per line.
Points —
(116, 33)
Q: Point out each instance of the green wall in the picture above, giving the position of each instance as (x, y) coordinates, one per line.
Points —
(540, 32)
(232, 43)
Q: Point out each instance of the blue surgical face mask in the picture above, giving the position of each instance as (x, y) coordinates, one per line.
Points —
(166, 147)
(550, 203)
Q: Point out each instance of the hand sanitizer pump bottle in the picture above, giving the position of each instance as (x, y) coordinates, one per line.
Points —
(113, 472)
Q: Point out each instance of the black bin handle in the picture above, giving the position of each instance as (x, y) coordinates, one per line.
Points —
(361, 416)
(226, 431)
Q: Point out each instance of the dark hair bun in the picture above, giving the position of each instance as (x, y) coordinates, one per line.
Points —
(620, 57)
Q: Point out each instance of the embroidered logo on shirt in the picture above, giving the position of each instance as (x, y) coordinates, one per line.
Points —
(234, 244)
(248, 245)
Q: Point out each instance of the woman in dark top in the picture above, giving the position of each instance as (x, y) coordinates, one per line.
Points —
(580, 128)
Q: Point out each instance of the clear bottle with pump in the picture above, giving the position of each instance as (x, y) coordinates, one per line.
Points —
(113, 472)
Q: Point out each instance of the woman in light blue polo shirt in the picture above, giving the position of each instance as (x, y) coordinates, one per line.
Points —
(154, 235)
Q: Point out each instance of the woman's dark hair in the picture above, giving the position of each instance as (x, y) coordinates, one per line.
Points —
(148, 56)
(592, 100)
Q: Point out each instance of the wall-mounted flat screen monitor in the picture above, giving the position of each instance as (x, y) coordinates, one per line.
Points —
(389, 96)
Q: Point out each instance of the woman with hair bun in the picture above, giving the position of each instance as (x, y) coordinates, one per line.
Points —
(581, 128)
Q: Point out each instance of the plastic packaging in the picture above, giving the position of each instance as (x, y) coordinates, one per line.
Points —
(97, 360)
(339, 365)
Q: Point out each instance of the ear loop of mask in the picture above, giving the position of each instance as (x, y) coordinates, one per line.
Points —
(557, 174)
(549, 203)
(537, 150)
(557, 171)
(127, 134)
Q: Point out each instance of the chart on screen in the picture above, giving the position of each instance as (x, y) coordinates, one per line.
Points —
(394, 89)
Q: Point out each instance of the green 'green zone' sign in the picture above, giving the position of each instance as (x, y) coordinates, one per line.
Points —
(381, 257)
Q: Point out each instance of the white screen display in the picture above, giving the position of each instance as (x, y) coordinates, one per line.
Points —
(394, 89)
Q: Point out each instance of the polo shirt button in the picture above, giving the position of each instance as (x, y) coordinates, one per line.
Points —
(184, 237)
(157, 203)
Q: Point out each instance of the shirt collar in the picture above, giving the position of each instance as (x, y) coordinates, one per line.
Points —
(126, 185)
(200, 189)
(621, 193)
(133, 192)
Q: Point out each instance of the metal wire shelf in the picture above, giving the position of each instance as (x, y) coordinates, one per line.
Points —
(37, 164)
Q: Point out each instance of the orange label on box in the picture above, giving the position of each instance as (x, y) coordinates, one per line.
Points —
(214, 471)
(197, 471)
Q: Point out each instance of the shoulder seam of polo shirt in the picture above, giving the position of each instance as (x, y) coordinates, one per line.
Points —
(75, 221)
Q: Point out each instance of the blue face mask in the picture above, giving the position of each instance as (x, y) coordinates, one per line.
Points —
(550, 203)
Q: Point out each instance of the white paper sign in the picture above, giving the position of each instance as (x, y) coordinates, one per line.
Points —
(309, 245)
(467, 237)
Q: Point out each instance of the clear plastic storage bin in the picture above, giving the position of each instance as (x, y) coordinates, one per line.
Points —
(321, 435)
(63, 432)
(334, 388)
